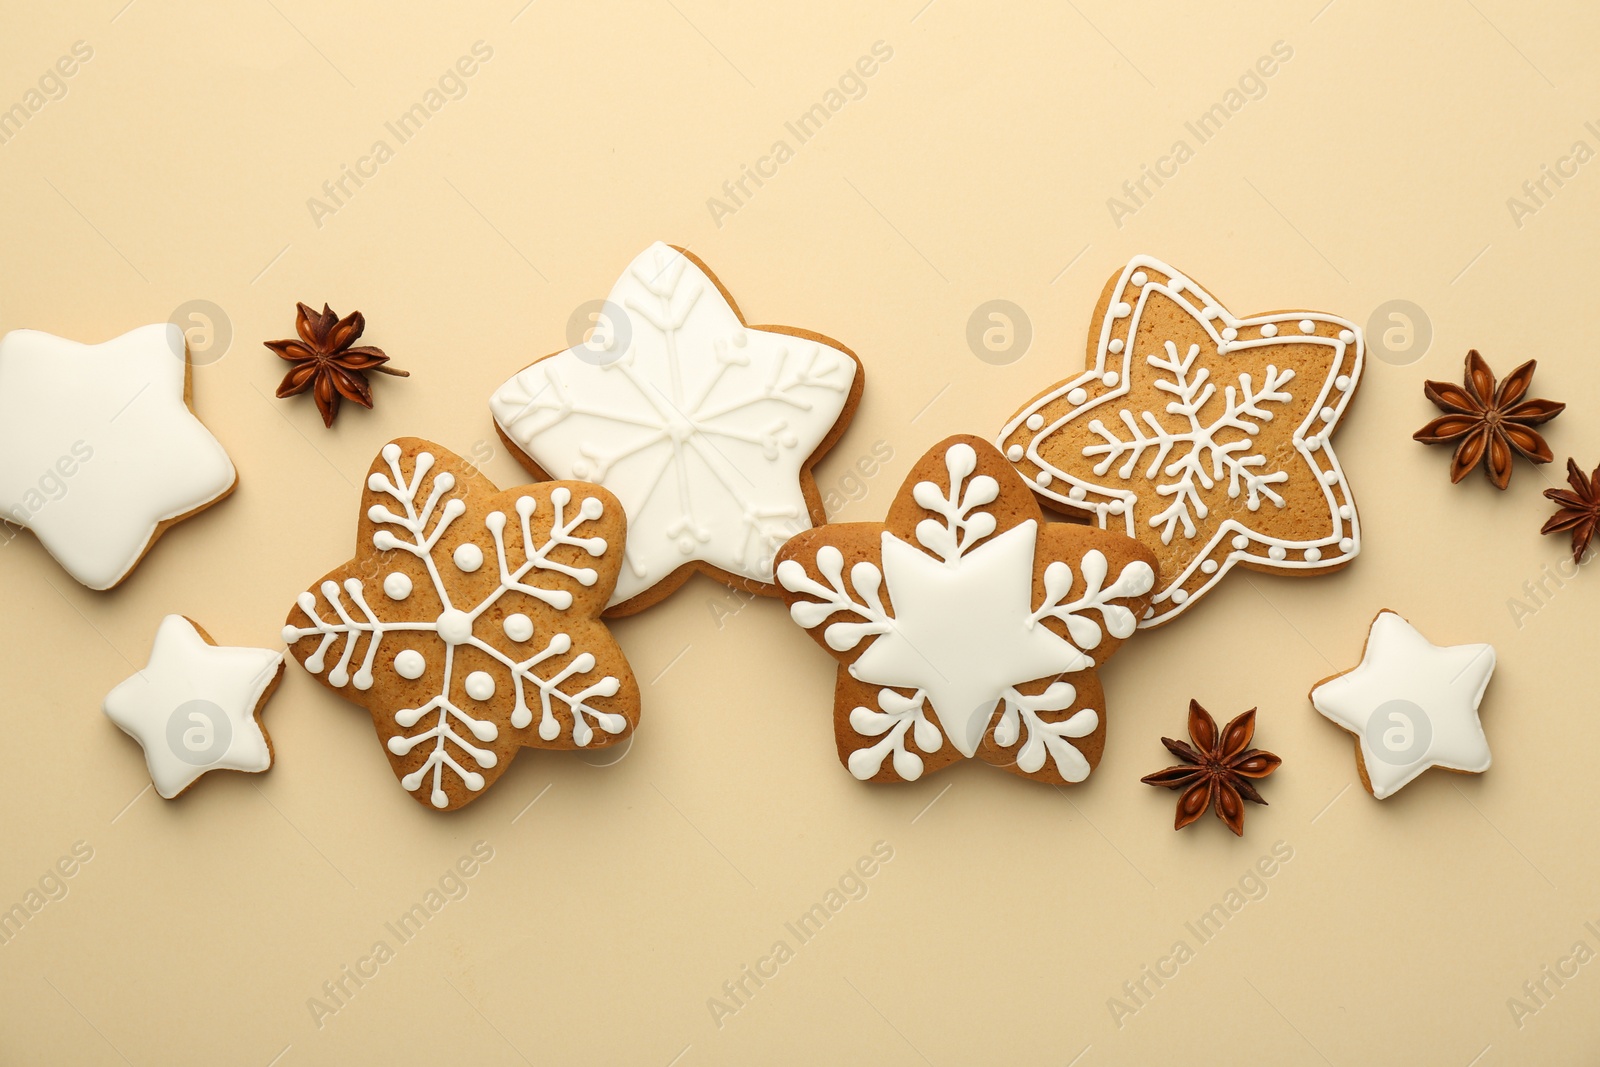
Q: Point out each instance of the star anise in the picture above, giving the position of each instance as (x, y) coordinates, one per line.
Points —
(1216, 770)
(1488, 421)
(1579, 511)
(325, 362)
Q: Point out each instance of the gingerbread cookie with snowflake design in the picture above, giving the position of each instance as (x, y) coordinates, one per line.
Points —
(964, 626)
(468, 622)
(1205, 436)
(706, 428)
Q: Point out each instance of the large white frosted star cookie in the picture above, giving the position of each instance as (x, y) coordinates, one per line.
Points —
(196, 706)
(99, 452)
(704, 427)
(1203, 435)
(1411, 705)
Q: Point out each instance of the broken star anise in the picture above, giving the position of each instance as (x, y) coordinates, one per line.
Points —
(1486, 422)
(1217, 770)
(1579, 509)
(326, 363)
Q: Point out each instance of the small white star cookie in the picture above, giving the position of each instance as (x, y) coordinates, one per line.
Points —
(1411, 705)
(196, 707)
(99, 452)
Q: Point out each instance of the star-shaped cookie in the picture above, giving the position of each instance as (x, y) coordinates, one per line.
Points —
(1411, 705)
(964, 625)
(197, 706)
(1203, 435)
(704, 427)
(467, 623)
(99, 452)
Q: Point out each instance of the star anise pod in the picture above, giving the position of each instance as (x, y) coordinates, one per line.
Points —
(1216, 770)
(1579, 511)
(326, 363)
(1487, 421)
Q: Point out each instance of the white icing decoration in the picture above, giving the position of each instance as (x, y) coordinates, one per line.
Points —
(518, 627)
(1035, 426)
(1307, 326)
(193, 706)
(1209, 566)
(108, 423)
(1014, 453)
(480, 685)
(965, 633)
(1076, 396)
(397, 586)
(700, 427)
(410, 664)
(1411, 704)
(1165, 492)
(468, 557)
(425, 515)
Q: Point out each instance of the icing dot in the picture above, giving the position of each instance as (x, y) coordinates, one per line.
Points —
(1208, 567)
(1180, 596)
(1241, 542)
(1345, 511)
(1077, 396)
(1269, 330)
(1330, 476)
(1139, 277)
(1229, 333)
(1313, 442)
(1313, 554)
(1347, 336)
(1119, 309)
(1342, 382)
(685, 545)
(468, 557)
(480, 685)
(1115, 345)
(1328, 414)
(1177, 285)
(1307, 326)
(410, 664)
(1346, 544)
(1277, 552)
(396, 586)
(1014, 453)
(1115, 507)
(1110, 377)
(740, 338)
(1042, 478)
(454, 626)
(518, 627)
(1077, 492)
(1035, 421)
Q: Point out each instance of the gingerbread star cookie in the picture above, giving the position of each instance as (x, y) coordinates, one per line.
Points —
(1203, 435)
(468, 622)
(706, 428)
(1410, 704)
(964, 626)
(196, 707)
(99, 452)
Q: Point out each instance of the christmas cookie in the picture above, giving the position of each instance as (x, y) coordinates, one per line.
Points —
(99, 452)
(1488, 423)
(966, 627)
(1215, 771)
(1204, 436)
(467, 623)
(706, 428)
(197, 706)
(1410, 704)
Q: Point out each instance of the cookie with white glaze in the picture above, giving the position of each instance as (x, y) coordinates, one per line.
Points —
(467, 622)
(705, 428)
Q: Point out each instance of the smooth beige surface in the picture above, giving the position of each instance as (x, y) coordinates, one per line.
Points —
(977, 165)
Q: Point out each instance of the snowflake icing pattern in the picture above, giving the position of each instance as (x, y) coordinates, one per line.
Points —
(964, 636)
(699, 424)
(461, 725)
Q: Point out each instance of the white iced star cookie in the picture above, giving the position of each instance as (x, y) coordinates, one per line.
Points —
(99, 452)
(964, 624)
(197, 706)
(704, 427)
(1411, 705)
(1205, 436)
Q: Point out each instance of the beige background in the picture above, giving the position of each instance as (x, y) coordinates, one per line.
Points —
(977, 165)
